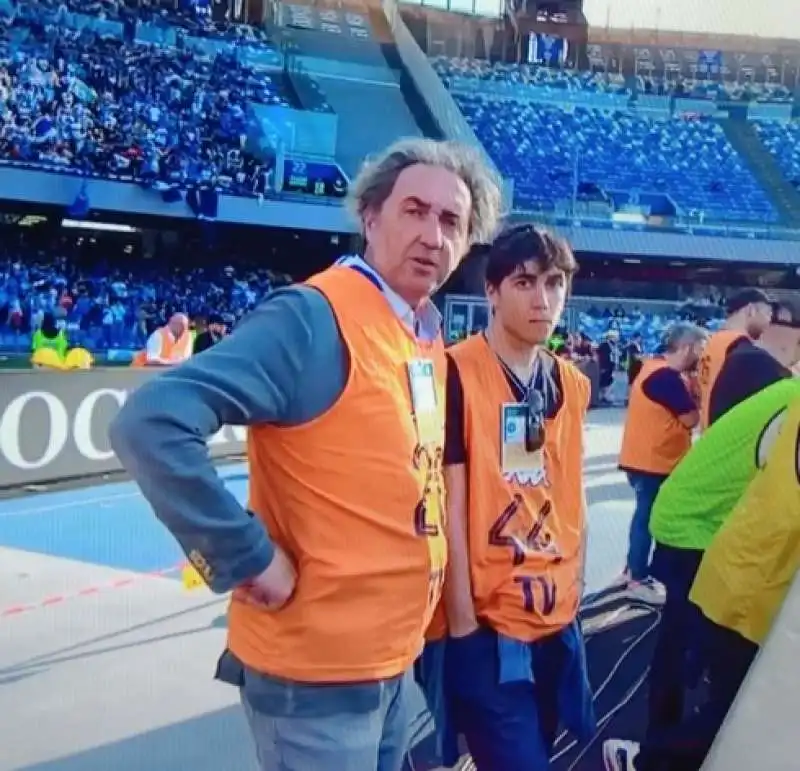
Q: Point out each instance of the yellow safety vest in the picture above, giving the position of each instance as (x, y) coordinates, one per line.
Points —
(751, 563)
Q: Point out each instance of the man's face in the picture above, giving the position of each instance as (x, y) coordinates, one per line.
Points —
(421, 233)
(758, 319)
(529, 302)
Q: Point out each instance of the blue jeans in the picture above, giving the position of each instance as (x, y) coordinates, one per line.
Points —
(511, 726)
(316, 738)
(640, 543)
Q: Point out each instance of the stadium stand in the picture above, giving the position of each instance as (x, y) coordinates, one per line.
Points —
(597, 148)
(97, 104)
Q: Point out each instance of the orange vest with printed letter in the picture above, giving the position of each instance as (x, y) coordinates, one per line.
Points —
(714, 355)
(357, 502)
(654, 440)
(171, 349)
(525, 539)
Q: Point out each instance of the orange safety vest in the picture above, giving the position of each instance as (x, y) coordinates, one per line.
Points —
(525, 539)
(356, 500)
(654, 440)
(714, 355)
(171, 349)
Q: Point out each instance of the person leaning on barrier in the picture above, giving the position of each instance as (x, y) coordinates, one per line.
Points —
(168, 345)
(755, 396)
(50, 349)
(336, 575)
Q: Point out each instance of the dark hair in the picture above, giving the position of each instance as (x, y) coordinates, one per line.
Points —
(527, 243)
(48, 326)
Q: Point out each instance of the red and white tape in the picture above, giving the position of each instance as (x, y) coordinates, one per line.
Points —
(89, 591)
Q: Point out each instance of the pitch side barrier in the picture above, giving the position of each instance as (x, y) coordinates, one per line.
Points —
(54, 425)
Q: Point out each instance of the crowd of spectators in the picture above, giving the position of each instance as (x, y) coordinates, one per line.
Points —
(78, 98)
(106, 306)
(115, 304)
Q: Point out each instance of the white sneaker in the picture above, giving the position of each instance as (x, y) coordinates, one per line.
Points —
(618, 755)
(623, 579)
(648, 590)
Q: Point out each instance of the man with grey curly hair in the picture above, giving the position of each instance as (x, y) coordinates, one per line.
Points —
(421, 205)
(337, 565)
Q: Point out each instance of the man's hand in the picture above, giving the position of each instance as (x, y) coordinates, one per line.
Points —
(274, 587)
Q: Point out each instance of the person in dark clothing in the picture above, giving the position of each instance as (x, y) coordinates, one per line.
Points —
(750, 368)
(214, 332)
(583, 348)
(607, 359)
(633, 357)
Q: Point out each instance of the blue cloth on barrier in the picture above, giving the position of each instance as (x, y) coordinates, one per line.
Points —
(514, 662)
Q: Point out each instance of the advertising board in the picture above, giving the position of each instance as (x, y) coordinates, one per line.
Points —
(54, 425)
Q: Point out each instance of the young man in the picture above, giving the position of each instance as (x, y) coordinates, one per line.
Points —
(749, 314)
(658, 433)
(514, 661)
(336, 571)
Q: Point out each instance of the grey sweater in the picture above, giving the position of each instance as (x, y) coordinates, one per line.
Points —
(285, 364)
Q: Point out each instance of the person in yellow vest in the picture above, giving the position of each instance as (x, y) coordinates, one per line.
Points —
(48, 337)
(743, 579)
(657, 434)
(745, 575)
(168, 345)
(749, 315)
(50, 349)
(752, 395)
(337, 568)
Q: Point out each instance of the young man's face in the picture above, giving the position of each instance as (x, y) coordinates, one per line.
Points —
(530, 301)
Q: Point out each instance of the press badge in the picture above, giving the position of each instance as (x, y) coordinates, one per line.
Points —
(423, 401)
(515, 460)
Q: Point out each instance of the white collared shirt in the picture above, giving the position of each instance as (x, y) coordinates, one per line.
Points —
(425, 323)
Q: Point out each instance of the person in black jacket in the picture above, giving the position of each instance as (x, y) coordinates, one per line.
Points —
(215, 331)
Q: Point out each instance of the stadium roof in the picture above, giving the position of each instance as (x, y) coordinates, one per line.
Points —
(767, 18)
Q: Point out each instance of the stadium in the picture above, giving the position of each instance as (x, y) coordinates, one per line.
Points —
(165, 157)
